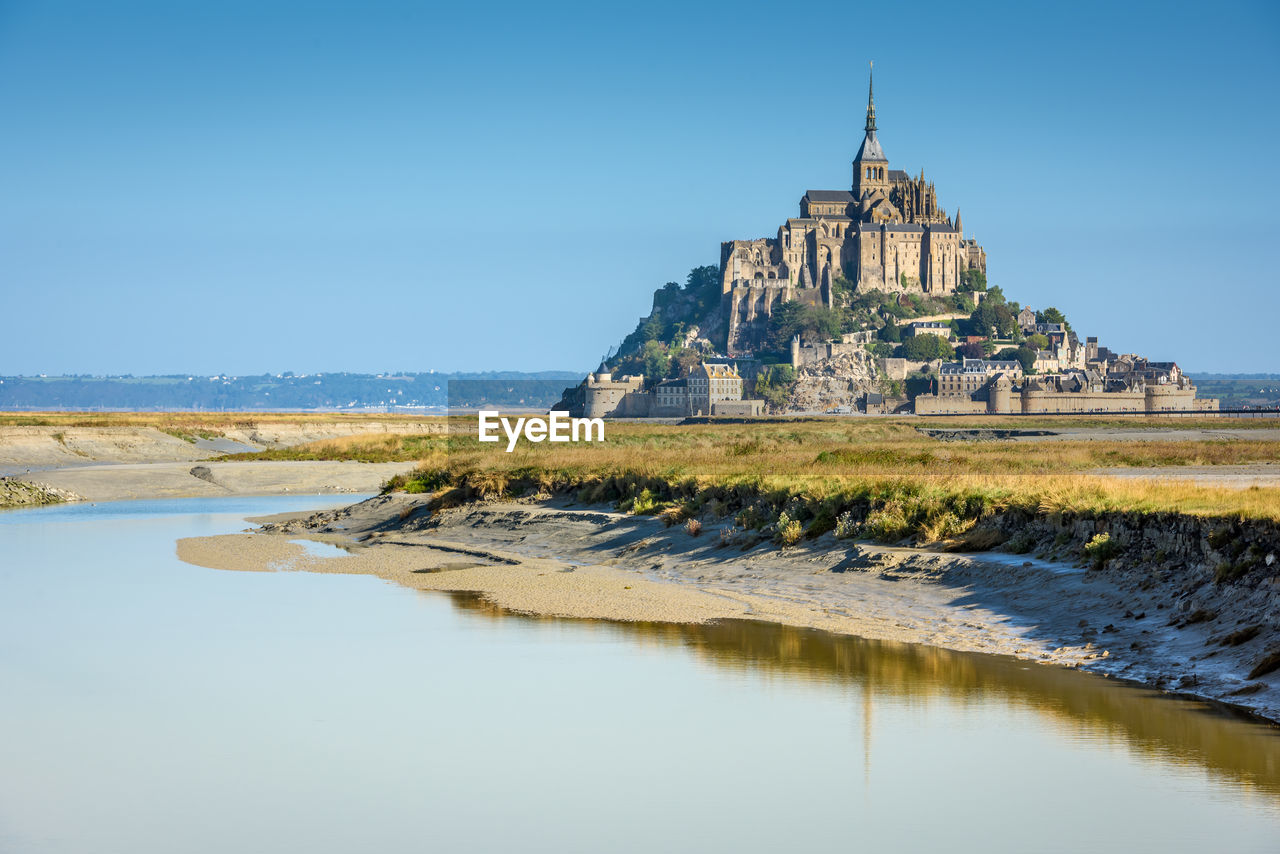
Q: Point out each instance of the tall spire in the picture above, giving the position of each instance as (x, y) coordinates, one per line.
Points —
(871, 99)
(869, 152)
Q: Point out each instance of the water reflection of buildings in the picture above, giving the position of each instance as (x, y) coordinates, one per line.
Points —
(1156, 725)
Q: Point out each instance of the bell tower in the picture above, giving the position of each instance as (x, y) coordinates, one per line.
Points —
(870, 166)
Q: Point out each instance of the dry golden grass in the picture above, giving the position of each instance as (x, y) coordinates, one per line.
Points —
(826, 458)
(817, 457)
(367, 448)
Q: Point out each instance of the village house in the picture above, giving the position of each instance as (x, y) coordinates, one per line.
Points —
(711, 383)
(671, 398)
(968, 376)
(931, 327)
(1046, 362)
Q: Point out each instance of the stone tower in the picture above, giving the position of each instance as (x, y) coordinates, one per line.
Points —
(870, 166)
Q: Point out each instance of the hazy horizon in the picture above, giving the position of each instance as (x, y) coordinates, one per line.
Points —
(243, 187)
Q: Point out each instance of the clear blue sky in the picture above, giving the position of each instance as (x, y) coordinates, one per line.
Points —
(247, 186)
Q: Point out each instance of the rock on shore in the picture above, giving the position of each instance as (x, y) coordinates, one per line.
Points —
(17, 493)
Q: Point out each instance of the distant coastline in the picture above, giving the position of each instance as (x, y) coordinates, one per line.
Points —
(423, 393)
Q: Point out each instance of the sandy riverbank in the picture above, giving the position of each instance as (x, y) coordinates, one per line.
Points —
(554, 559)
(50, 447)
(126, 481)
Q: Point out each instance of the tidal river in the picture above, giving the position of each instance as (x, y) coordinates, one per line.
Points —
(148, 705)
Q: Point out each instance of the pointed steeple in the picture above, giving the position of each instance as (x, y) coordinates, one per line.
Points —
(959, 225)
(871, 99)
(870, 150)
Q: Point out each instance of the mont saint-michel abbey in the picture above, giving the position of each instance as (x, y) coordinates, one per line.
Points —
(887, 233)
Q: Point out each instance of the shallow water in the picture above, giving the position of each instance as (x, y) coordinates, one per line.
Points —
(150, 705)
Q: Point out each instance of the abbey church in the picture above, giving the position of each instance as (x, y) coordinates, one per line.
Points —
(886, 233)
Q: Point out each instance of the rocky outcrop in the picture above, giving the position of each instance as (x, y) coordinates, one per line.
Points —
(18, 493)
(837, 381)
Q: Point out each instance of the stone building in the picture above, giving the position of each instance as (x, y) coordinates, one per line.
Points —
(1046, 362)
(887, 233)
(969, 376)
(711, 383)
(605, 395)
(712, 388)
(931, 327)
(671, 399)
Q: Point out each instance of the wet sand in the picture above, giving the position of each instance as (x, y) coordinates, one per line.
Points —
(126, 481)
(550, 558)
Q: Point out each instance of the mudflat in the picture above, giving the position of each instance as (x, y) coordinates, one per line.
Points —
(552, 558)
(124, 481)
(68, 441)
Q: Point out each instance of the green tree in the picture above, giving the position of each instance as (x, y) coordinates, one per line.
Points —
(774, 384)
(655, 359)
(890, 332)
(810, 322)
(925, 347)
(703, 286)
(842, 291)
(684, 361)
(993, 319)
(972, 280)
(1037, 341)
(880, 348)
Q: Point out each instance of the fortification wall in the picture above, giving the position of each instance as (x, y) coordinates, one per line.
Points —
(740, 408)
(898, 369)
(1165, 398)
(928, 404)
(1053, 401)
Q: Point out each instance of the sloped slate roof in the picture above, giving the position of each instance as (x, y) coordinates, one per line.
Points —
(829, 196)
(870, 150)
